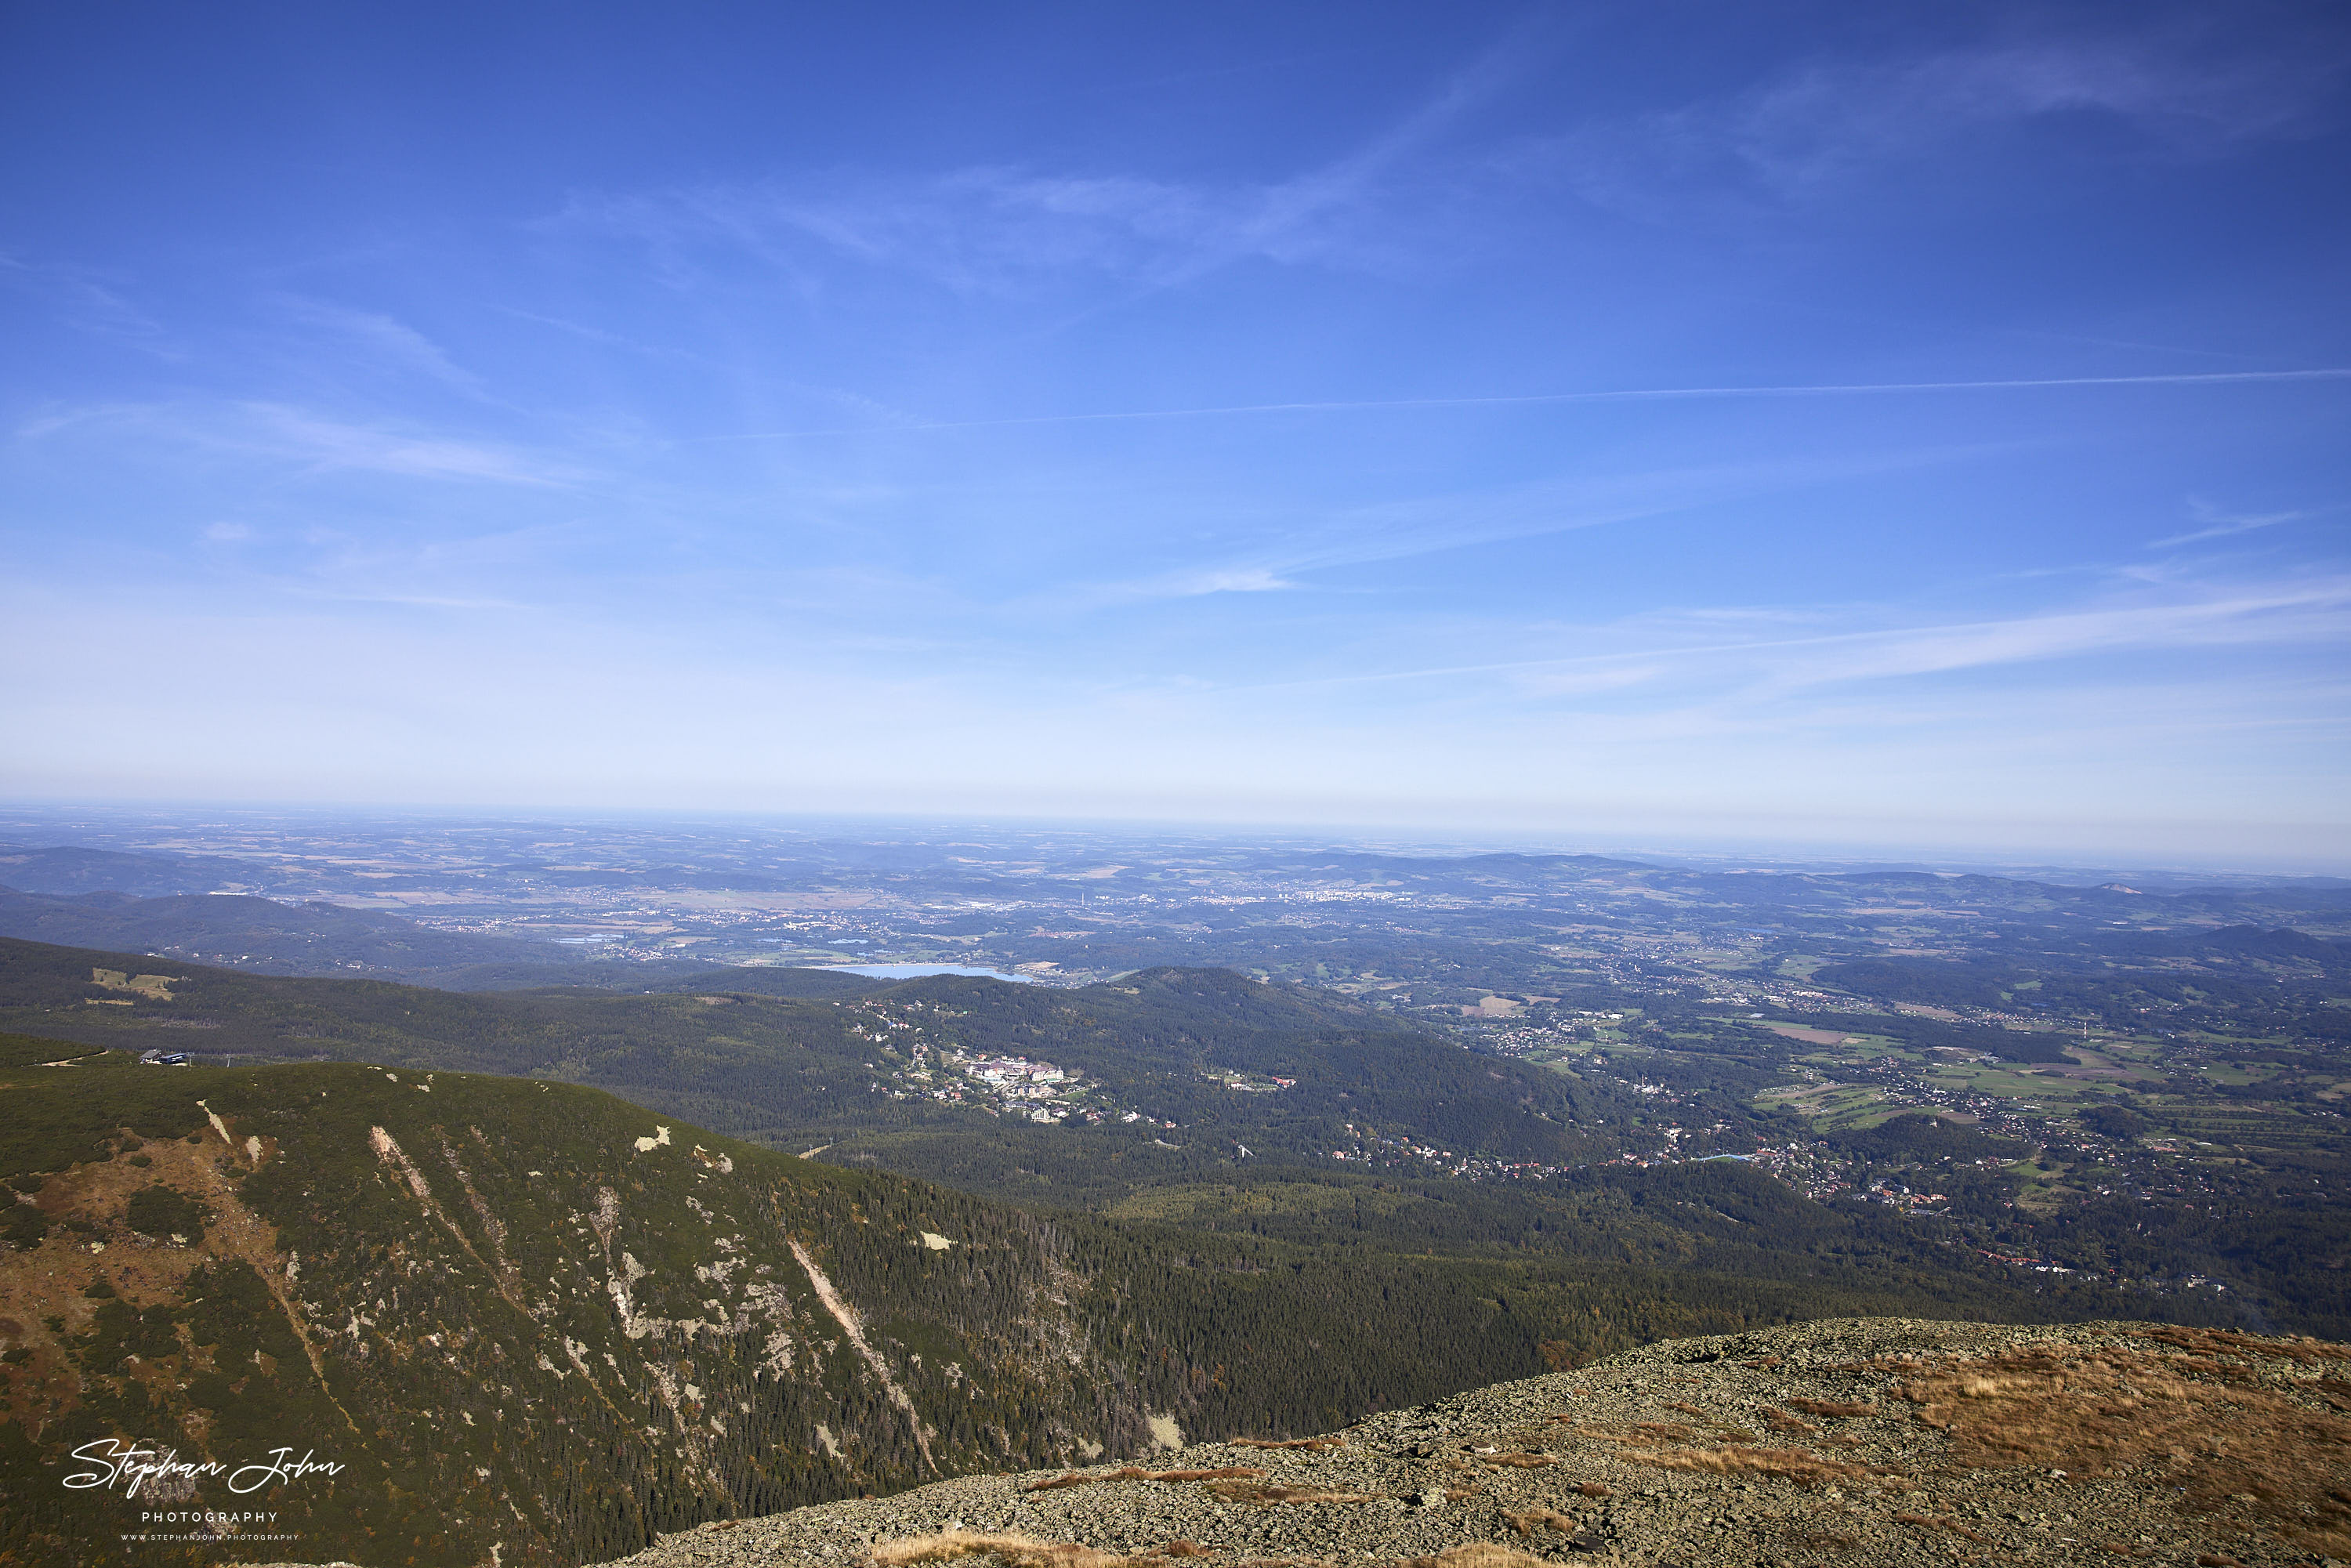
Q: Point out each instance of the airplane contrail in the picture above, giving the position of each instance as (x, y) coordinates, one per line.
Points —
(1619, 394)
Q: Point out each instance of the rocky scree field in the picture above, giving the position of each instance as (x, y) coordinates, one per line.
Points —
(1854, 1443)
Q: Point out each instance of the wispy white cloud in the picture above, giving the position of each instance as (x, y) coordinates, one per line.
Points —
(2219, 525)
(1186, 583)
(989, 231)
(313, 443)
(1601, 395)
(1820, 125)
(2310, 613)
(87, 302)
(1587, 681)
(1001, 229)
(604, 336)
(1823, 120)
(1399, 530)
(323, 442)
(1284, 550)
(385, 342)
(2306, 613)
(1231, 579)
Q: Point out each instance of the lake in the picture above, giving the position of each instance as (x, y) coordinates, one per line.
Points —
(916, 971)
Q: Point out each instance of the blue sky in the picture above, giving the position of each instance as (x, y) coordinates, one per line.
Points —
(1907, 425)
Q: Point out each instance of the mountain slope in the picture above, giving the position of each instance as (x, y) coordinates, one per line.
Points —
(511, 1322)
(533, 1317)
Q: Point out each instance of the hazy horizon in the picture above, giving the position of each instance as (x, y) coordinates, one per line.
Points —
(75, 821)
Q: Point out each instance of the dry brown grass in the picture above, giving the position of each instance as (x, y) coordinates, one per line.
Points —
(2214, 1341)
(2192, 1412)
(1026, 1552)
(1525, 1523)
(1802, 1466)
(1601, 1435)
(1790, 1425)
(1520, 1461)
(1475, 1555)
(1560, 1356)
(1594, 1488)
(1019, 1550)
(47, 1281)
(1936, 1522)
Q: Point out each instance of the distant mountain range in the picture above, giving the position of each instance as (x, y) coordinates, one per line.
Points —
(66, 870)
(268, 937)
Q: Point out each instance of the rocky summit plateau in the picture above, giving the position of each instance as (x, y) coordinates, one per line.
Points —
(1846, 1442)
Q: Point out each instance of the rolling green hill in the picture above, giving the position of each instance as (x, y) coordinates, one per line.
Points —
(1180, 1069)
